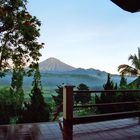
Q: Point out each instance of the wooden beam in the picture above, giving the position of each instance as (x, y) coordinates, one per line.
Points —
(68, 102)
(105, 117)
(108, 104)
(68, 112)
(105, 91)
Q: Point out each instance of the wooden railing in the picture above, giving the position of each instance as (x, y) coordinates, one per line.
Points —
(68, 104)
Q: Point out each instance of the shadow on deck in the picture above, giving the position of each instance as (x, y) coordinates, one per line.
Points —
(109, 130)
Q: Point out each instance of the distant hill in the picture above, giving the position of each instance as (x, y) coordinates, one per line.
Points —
(50, 80)
(54, 72)
(54, 65)
(136, 82)
(91, 72)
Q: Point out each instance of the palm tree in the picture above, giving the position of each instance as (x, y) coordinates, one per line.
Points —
(134, 69)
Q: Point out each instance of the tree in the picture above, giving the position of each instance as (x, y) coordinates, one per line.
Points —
(109, 85)
(123, 82)
(127, 96)
(19, 31)
(37, 110)
(59, 98)
(106, 97)
(135, 68)
(19, 48)
(84, 97)
(10, 106)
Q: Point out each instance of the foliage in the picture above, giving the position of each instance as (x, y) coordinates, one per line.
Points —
(106, 97)
(10, 106)
(117, 97)
(16, 84)
(37, 110)
(109, 85)
(127, 96)
(135, 68)
(84, 112)
(19, 48)
(59, 98)
(123, 82)
(19, 31)
(82, 98)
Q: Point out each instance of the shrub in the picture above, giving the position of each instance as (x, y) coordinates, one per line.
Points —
(82, 98)
(59, 98)
(107, 97)
(10, 106)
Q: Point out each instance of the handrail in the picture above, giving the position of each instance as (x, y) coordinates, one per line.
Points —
(68, 107)
(104, 117)
(107, 104)
(104, 91)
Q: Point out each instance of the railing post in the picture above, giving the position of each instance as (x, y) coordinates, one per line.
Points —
(68, 112)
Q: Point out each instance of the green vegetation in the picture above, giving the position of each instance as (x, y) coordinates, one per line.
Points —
(49, 101)
(113, 97)
(83, 98)
(123, 82)
(10, 106)
(106, 97)
(135, 68)
(37, 110)
(58, 99)
(19, 31)
(119, 97)
(19, 48)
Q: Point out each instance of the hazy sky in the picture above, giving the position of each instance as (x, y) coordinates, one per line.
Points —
(87, 33)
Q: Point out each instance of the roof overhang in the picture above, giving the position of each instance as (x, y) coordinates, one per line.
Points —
(128, 5)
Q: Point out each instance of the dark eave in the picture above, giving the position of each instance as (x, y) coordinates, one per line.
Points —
(128, 5)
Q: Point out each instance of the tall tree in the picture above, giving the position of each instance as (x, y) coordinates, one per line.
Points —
(134, 69)
(19, 48)
(59, 97)
(84, 97)
(123, 82)
(19, 31)
(37, 110)
(106, 97)
(109, 85)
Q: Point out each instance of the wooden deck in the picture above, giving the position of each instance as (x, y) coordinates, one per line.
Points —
(109, 130)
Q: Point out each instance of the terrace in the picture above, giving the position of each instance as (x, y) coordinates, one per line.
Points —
(110, 130)
(127, 128)
(101, 126)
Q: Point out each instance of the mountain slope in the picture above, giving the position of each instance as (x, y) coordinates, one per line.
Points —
(54, 72)
(91, 72)
(54, 65)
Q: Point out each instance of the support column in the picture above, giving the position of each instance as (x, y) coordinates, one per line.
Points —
(68, 112)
